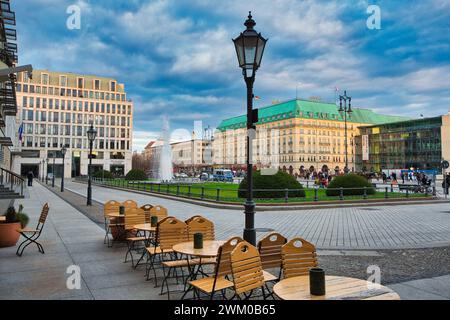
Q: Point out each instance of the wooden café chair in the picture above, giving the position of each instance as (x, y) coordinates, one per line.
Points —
(109, 207)
(32, 235)
(298, 256)
(132, 218)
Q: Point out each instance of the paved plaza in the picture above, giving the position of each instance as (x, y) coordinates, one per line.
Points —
(71, 238)
(383, 227)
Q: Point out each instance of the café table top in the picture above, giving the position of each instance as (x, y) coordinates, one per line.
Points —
(2, 218)
(210, 248)
(145, 227)
(336, 288)
(115, 215)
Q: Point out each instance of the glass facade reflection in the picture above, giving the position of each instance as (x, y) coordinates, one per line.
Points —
(400, 145)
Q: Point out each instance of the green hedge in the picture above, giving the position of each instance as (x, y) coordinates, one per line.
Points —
(136, 175)
(280, 181)
(103, 174)
(349, 181)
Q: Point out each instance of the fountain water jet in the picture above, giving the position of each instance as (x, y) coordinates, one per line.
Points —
(165, 161)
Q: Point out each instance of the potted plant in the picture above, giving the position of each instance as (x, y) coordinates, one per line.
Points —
(15, 221)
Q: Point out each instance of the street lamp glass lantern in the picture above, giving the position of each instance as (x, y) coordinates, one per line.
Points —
(91, 133)
(63, 151)
(250, 47)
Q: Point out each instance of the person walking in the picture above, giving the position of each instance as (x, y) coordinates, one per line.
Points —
(30, 177)
(446, 184)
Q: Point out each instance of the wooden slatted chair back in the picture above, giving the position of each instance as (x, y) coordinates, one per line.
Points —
(134, 217)
(298, 256)
(191, 218)
(159, 211)
(223, 266)
(111, 207)
(269, 249)
(170, 232)
(146, 208)
(246, 268)
(130, 204)
(201, 225)
(44, 214)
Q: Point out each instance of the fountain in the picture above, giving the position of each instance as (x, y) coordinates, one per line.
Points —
(165, 160)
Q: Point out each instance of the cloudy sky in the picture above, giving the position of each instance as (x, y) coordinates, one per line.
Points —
(177, 59)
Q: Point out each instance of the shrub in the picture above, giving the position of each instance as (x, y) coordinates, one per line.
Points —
(349, 181)
(279, 181)
(103, 174)
(12, 216)
(136, 175)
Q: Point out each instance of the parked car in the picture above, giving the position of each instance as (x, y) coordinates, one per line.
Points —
(205, 176)
(223, 175)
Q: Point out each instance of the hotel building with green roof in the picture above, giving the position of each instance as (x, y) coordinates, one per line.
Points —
(295, 135)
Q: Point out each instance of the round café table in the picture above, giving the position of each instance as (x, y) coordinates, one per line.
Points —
(209, 250)
(115, 215)
(146, 227)
(336, 288)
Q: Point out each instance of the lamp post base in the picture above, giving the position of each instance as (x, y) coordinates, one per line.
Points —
(250, 231)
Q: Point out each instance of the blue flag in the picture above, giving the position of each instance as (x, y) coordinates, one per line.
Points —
(20, 132)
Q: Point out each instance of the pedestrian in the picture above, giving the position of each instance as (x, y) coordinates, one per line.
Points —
(30, 177)
(446, 184)
(394, 176)
(384, 177)
(403, 178)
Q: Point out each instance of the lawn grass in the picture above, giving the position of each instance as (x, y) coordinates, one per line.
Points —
(228, 192)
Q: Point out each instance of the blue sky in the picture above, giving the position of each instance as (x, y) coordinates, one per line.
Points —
(176, 57)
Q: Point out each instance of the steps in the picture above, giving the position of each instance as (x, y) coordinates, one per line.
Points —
(7, 193)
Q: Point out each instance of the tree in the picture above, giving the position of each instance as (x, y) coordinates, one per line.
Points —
(138, 161)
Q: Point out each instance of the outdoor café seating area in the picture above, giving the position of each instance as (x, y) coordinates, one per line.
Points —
(196, 265)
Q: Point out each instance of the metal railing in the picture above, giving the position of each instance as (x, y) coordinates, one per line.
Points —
(227, 194)
(11, 179)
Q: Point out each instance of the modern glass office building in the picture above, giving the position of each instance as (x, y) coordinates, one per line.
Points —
(419, 144)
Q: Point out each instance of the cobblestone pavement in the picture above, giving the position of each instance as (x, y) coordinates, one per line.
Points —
(371, 228)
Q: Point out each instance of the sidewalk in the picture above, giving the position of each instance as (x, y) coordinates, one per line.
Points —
(70, 238)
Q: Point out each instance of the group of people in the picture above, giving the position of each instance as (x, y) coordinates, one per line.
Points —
(419, 177)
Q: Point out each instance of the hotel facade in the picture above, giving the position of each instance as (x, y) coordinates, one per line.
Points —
(295, 136)
(55, 109)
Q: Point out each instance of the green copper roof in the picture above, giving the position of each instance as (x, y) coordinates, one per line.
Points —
(308, 110)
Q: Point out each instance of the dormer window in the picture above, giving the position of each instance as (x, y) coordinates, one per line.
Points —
(96, 84)
(63, 81)
(44, 78)
(113, 86)
(80, 83)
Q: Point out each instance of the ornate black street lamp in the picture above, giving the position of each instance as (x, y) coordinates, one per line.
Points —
(43, 170)
(53, 169)
(63, 152)
(344, 110)
(92, 134)
(46, 173)
(250, 49)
